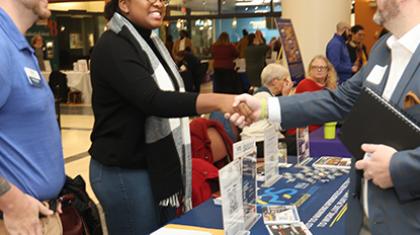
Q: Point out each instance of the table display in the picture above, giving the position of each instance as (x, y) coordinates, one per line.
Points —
(79, 81)
(320, 196)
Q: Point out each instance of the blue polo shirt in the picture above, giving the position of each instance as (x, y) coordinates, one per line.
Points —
(30, 143)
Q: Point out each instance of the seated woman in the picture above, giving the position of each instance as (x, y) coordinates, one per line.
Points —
(275, 81)
(321, 75)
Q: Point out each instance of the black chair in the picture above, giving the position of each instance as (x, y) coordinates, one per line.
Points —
(58, 85)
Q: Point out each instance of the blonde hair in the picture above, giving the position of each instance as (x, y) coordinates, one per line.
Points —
(331, 80)
(273, 71)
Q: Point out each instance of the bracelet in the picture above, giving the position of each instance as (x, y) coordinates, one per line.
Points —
(264, 109)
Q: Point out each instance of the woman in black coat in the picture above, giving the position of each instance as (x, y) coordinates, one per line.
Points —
(141, 164)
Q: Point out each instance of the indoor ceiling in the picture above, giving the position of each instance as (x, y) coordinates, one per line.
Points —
(194, 5)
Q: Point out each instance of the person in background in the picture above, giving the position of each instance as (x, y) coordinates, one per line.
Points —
(31, 157)
(338, 54)
(275, 80)
(140, 168)
(38, 45)
(356, 48)
(243, 43)
(389, 201)
(275, 46)
(321, 75)
(255, 55)
(169, 43)
(225, 79)
(181, 44)
(260, 37)
(194, 70)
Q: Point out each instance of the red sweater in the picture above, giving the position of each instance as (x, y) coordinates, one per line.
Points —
(223, 56)
(306, 85)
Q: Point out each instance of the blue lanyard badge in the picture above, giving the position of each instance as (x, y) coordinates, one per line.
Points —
(33, 77)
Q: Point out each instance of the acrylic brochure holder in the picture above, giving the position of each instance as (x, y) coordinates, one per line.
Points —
(271, 158)
(230, 179)
(302, 146)
(238, 180)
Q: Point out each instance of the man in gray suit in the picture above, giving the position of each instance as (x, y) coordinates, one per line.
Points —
(392, 201)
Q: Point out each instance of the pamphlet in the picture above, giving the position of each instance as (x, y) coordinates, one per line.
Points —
(230, 179)
(333, 162)
(302, 145)
(244, 147)
(298, 228)
(249, 187)
(271, 158)
(280, 214)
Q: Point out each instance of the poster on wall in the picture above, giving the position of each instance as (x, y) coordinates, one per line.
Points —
(76, 41)
(291, 49)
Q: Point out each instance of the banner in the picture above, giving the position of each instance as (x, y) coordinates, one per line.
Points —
(291, 49)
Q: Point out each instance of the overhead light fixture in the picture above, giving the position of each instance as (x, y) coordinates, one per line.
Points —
(234, 22)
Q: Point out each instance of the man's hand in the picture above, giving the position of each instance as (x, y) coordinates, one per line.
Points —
(21, 216)
(376, 167)
(244, 115)
(287, 87)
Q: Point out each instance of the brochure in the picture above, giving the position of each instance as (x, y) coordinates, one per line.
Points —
(333, 162)
(288, 229)
(280, 214)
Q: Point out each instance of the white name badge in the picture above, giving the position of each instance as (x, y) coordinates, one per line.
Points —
(33, 77)
(377, 74)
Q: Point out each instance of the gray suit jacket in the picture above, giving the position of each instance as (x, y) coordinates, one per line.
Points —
(391, 211)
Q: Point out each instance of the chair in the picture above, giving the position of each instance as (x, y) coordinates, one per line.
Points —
(211, 150)
(58, 84)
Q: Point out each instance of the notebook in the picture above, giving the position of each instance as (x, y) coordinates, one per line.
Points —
(374, 120)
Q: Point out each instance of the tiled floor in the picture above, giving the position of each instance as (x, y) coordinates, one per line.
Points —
(76, 126)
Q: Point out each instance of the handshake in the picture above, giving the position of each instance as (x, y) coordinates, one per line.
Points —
(246, 109)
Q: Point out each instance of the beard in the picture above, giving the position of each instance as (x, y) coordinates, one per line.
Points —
(389, 11)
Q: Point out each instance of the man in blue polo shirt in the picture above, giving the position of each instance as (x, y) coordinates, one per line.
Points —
(31, 160)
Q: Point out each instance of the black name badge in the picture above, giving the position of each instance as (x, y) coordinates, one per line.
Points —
(33, 77)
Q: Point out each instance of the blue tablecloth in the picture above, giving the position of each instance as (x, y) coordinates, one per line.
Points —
(322, 147)
(319, 202)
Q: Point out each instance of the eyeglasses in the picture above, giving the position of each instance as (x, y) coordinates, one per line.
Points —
(164, 2)
(319, 68)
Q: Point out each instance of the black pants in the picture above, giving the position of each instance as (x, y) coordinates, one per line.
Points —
(226, 81)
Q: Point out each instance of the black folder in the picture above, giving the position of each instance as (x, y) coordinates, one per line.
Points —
(373, 120)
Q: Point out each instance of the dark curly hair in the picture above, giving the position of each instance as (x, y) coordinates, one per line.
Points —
(110, 8)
